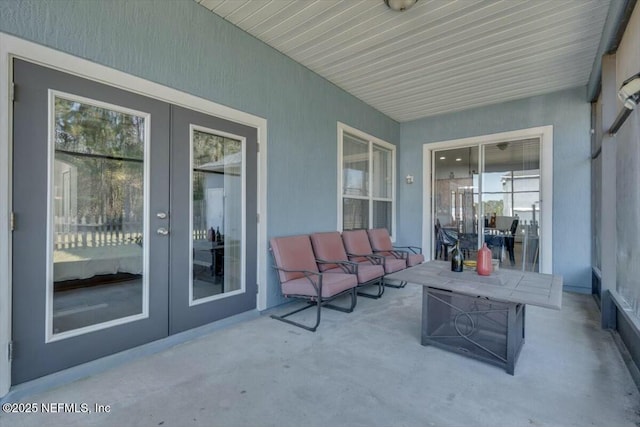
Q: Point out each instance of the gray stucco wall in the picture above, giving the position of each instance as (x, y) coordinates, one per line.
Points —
(569, 113)
(180, 44)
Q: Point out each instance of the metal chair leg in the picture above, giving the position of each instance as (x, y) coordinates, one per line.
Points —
(354, 301)
(400, 286)
(310, 304)
(319, 303)
(373, 296)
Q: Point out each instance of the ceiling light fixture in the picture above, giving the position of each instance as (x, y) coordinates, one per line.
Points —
(400, 5)
(459, 159)
(442, 158)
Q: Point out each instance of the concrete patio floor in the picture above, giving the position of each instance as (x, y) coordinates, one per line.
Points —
(366, 368)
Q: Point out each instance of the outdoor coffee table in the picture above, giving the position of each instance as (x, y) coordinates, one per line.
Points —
(479, 316)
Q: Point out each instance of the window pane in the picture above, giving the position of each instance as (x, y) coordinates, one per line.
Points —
(382, 178)
(217, 218)
(98, 207)
(355, 171)
(355, 214)
(382, 215)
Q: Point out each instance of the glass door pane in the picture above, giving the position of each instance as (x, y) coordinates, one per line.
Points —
(216, 214)
(213, 218)
(511, 202)
(98, 199)
(455, 201)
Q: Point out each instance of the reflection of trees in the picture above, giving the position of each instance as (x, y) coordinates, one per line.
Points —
(107, 149)
(208, 149)
(212, 154)
(491, 206)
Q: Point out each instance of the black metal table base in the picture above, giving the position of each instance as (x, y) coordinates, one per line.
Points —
(477, 327)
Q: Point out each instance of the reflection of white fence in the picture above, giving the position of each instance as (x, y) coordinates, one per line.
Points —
(79, 234)
(105, 235)
(201, 234)
(82, 234)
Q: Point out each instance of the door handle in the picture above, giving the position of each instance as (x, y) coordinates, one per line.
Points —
(162, 231)
(161, 215)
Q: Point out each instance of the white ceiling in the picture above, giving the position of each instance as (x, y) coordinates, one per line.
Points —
(437, 57)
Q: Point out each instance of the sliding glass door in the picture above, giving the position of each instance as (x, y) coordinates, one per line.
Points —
(489, 193)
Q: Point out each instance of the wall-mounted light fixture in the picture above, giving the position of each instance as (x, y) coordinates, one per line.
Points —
(399, 5)
(409, 179)
(629, 94)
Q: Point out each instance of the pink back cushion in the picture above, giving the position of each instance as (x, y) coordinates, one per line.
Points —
(328, 246)
(293, 253)
(357, 242)
(380, 239)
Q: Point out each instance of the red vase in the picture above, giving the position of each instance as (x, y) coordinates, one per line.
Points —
(484, 266)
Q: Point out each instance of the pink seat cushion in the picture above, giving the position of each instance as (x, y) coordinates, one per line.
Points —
(381, 243)
(392, 264)
(366, 272)
(357, 242)
(332, 284)
(328, 246)
(415, 259)
(293, 253)
(380, 239)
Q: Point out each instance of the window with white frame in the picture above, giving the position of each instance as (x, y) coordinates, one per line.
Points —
(366, 181)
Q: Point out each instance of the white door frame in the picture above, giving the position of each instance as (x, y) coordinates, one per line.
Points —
(545, 135)
(11, 46)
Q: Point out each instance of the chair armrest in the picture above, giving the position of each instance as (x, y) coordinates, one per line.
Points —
(307, 275)
(297, 271)
(414, 249)
(372, 258)
(397, 253)
(348, 267)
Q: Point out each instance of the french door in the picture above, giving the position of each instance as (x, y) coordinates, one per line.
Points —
(132, 220)
(214, 206)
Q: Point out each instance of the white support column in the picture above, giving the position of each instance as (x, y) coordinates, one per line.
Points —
(5, 209)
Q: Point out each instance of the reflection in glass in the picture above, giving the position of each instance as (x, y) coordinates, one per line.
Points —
(355, 166)
(511, 202)
(381, 172)
(355, 214)
(382, 215)
(456, 201)
(499, 207)
(98, 205)
(217, 214)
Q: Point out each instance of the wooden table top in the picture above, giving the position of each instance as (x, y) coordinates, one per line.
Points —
(544, 290)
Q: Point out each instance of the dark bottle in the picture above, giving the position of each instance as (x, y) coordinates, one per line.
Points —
(217, 234)
(457, 259)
